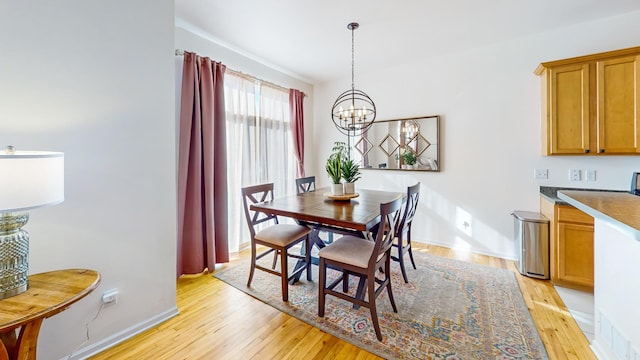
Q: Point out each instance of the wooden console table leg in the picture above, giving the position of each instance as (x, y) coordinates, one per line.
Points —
(8, 342)
(28, 340)
(3, 353)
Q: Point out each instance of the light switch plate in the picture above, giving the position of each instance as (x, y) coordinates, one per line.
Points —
(591, 174)
(540, 174)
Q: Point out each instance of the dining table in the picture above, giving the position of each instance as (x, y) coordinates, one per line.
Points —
(355, 215)
(348, 215)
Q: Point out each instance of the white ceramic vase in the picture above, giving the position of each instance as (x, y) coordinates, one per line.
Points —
(349, 188)
(337, 189)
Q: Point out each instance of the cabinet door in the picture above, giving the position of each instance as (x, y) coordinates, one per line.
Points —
(574, 252)
(569, 109)
(618, 101)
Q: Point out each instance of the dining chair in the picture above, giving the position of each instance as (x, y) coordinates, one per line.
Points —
(279, 238)
(403, 229)
(364, 258)
(305, 184)
(308, 184)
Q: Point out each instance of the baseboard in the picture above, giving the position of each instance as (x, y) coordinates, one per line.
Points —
(601, 351)
(506, 256)
(115, 339)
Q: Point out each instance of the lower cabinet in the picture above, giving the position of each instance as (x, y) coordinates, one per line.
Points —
(571, 239)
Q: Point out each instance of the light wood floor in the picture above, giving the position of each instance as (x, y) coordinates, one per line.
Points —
(217, 321)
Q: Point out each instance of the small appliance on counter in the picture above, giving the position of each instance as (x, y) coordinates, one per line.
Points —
(635, 183)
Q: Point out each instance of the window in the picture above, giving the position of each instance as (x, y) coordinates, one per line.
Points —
(259, 146)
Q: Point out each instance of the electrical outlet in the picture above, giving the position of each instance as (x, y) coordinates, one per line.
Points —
(110, 296)
(575, 175)
(540, 174)
(591, 174)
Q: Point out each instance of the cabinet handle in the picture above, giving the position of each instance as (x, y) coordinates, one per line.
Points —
(586, 151)
(601, 151)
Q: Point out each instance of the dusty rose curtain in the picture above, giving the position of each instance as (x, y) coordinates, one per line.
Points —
(202, 180)
(296, 98)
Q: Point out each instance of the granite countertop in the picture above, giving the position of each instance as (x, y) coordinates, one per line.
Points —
(617, 207)
(551, 193)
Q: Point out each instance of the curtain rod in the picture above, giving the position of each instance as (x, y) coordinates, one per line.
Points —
(180, 52)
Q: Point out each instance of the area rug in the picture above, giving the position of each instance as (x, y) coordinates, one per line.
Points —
(450, 309)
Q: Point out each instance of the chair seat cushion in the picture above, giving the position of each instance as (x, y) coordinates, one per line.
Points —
(350, 250)
(282, 234)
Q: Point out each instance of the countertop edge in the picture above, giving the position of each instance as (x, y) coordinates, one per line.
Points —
(633, 232)
(551, 192)
(554, 200)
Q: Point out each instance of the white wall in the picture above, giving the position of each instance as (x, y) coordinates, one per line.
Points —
(489, 100)
(95, 80)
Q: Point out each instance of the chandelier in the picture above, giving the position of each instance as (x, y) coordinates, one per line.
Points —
(354, 111)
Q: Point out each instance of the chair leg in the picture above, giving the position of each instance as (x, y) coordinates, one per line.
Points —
(284, 275)
(389, 288)
(372, 306)
(401, 260)
(409, 249)
(360, 291)
(307, 257)
(253, 264)
(322, 272)
(275, 259)
(345, 281)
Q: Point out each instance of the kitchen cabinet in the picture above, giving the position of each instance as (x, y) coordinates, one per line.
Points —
(591, 104)
(571, 245)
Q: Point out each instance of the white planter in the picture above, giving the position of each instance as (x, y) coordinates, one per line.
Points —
(337, 189)
(349, 188)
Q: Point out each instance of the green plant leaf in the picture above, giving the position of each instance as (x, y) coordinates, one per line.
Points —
(334, 169)
(350, 171)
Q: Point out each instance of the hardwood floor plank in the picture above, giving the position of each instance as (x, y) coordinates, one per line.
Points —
(221, 322)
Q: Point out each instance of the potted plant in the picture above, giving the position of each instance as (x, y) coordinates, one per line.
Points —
(350, 174)
(334, 166)
(334, 170)
(409, 158)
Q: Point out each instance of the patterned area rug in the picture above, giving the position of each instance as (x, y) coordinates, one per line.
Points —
(450, 310)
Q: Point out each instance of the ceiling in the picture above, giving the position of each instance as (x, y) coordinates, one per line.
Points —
(309, 39)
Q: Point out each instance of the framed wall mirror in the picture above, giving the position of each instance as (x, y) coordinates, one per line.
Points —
(399, 144)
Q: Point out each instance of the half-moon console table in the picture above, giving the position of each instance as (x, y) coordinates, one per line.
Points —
(48, 294)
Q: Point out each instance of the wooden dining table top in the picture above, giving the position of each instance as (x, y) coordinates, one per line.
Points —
(360, 213)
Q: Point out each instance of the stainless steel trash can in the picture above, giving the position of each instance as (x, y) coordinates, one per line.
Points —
(531, 231)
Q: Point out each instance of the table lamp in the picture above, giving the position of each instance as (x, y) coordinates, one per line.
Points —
(28, 180)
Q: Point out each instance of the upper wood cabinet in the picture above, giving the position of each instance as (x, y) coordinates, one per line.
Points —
(591, 104)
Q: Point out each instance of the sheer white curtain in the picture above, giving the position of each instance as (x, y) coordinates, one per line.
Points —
(276, 151)
(259, 147)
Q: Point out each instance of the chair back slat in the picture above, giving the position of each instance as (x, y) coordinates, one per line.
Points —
(305, 184)
(389, 218)
(253, 195)
(411, 205)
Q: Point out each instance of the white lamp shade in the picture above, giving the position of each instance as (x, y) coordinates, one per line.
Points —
(30, 179)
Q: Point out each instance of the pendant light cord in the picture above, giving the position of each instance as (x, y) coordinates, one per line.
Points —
(353, 82)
